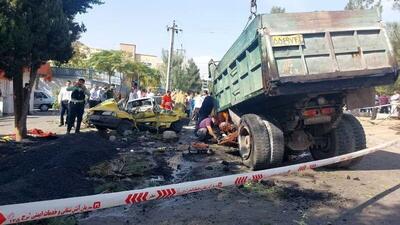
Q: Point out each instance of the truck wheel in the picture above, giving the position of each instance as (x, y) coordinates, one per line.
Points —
(257, 142)
(277, 143)
(338, 142)
(360, 141)
(123, 126)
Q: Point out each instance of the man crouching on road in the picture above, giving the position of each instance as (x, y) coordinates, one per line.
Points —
(206, 129)
(76, 105)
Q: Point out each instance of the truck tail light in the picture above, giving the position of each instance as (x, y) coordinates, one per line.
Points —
(310, 113)
(316, 112)
(327, 111)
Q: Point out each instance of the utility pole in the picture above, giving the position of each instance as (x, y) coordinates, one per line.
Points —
(174, 29)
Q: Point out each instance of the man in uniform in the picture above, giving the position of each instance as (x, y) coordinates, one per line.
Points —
(76, 105)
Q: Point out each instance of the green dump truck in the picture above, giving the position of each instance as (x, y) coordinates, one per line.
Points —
(288, 77)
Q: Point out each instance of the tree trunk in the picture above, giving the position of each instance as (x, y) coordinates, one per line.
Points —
(21, 103)
(109, 79)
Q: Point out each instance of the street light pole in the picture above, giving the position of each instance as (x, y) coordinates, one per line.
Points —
(174, 29)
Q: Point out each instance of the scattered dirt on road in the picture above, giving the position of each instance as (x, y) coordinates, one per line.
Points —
(87, 164)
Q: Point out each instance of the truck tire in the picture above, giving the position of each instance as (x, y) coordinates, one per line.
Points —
(261, 143)
(360, 141)
(339, 141)
(123, 126)
(277, 143)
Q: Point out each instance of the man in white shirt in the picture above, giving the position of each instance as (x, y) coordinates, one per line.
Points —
(95, 96)
(63, 99)
(150, 93)
(198, 101)
(395, 103)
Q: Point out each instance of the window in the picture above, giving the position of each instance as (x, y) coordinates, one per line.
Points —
(40, 95)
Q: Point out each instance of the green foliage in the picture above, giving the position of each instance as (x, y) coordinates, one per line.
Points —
(184, 76)
(36, 31)
(33, 32)
(360, 4)
(112, 61)
(369, 4)
(277, 9)
(108, 61)
(146, 76)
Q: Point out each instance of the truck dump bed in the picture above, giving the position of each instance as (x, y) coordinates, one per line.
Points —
(292, 53)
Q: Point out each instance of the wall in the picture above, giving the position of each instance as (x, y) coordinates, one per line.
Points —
(149, 60)
(6, 87)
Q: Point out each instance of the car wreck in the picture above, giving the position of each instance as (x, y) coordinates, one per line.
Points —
(143, 114)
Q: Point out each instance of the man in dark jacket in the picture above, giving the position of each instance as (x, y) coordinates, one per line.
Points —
(205, 109)
(76, 105)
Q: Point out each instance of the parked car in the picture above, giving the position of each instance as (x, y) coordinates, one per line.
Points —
(42, 101)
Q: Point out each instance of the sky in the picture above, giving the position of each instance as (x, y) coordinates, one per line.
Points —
(209, 26)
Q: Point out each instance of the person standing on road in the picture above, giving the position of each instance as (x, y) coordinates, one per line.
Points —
(206, 108)
(198, 101)
(395, 103)
(95, 96)
(383, 102)
(166, 103)
(76, 105)
(63, 99)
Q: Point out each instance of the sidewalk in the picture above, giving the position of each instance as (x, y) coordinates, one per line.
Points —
(47, 121)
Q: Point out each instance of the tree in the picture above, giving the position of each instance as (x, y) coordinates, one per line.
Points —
(80, 58)
(33, 32)
(369, 4)
(146, 76)
(185, 76)
(108, 61)
(359, 4)
(277, 9)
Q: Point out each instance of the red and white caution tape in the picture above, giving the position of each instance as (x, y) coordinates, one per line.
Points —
(380, 106)
(10, 214)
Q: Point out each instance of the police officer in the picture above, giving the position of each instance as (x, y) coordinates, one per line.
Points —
(76, 105)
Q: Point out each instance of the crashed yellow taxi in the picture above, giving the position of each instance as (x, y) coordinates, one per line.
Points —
(142, 113)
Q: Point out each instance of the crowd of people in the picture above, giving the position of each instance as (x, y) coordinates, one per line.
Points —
(199, 107)
(388, 104)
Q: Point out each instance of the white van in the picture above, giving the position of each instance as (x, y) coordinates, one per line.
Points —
(42, 101)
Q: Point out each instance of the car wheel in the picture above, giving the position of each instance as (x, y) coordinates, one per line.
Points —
(44, 108)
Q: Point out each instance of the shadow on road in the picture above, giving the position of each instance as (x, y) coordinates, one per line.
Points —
(375, 161)
(385, 213)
